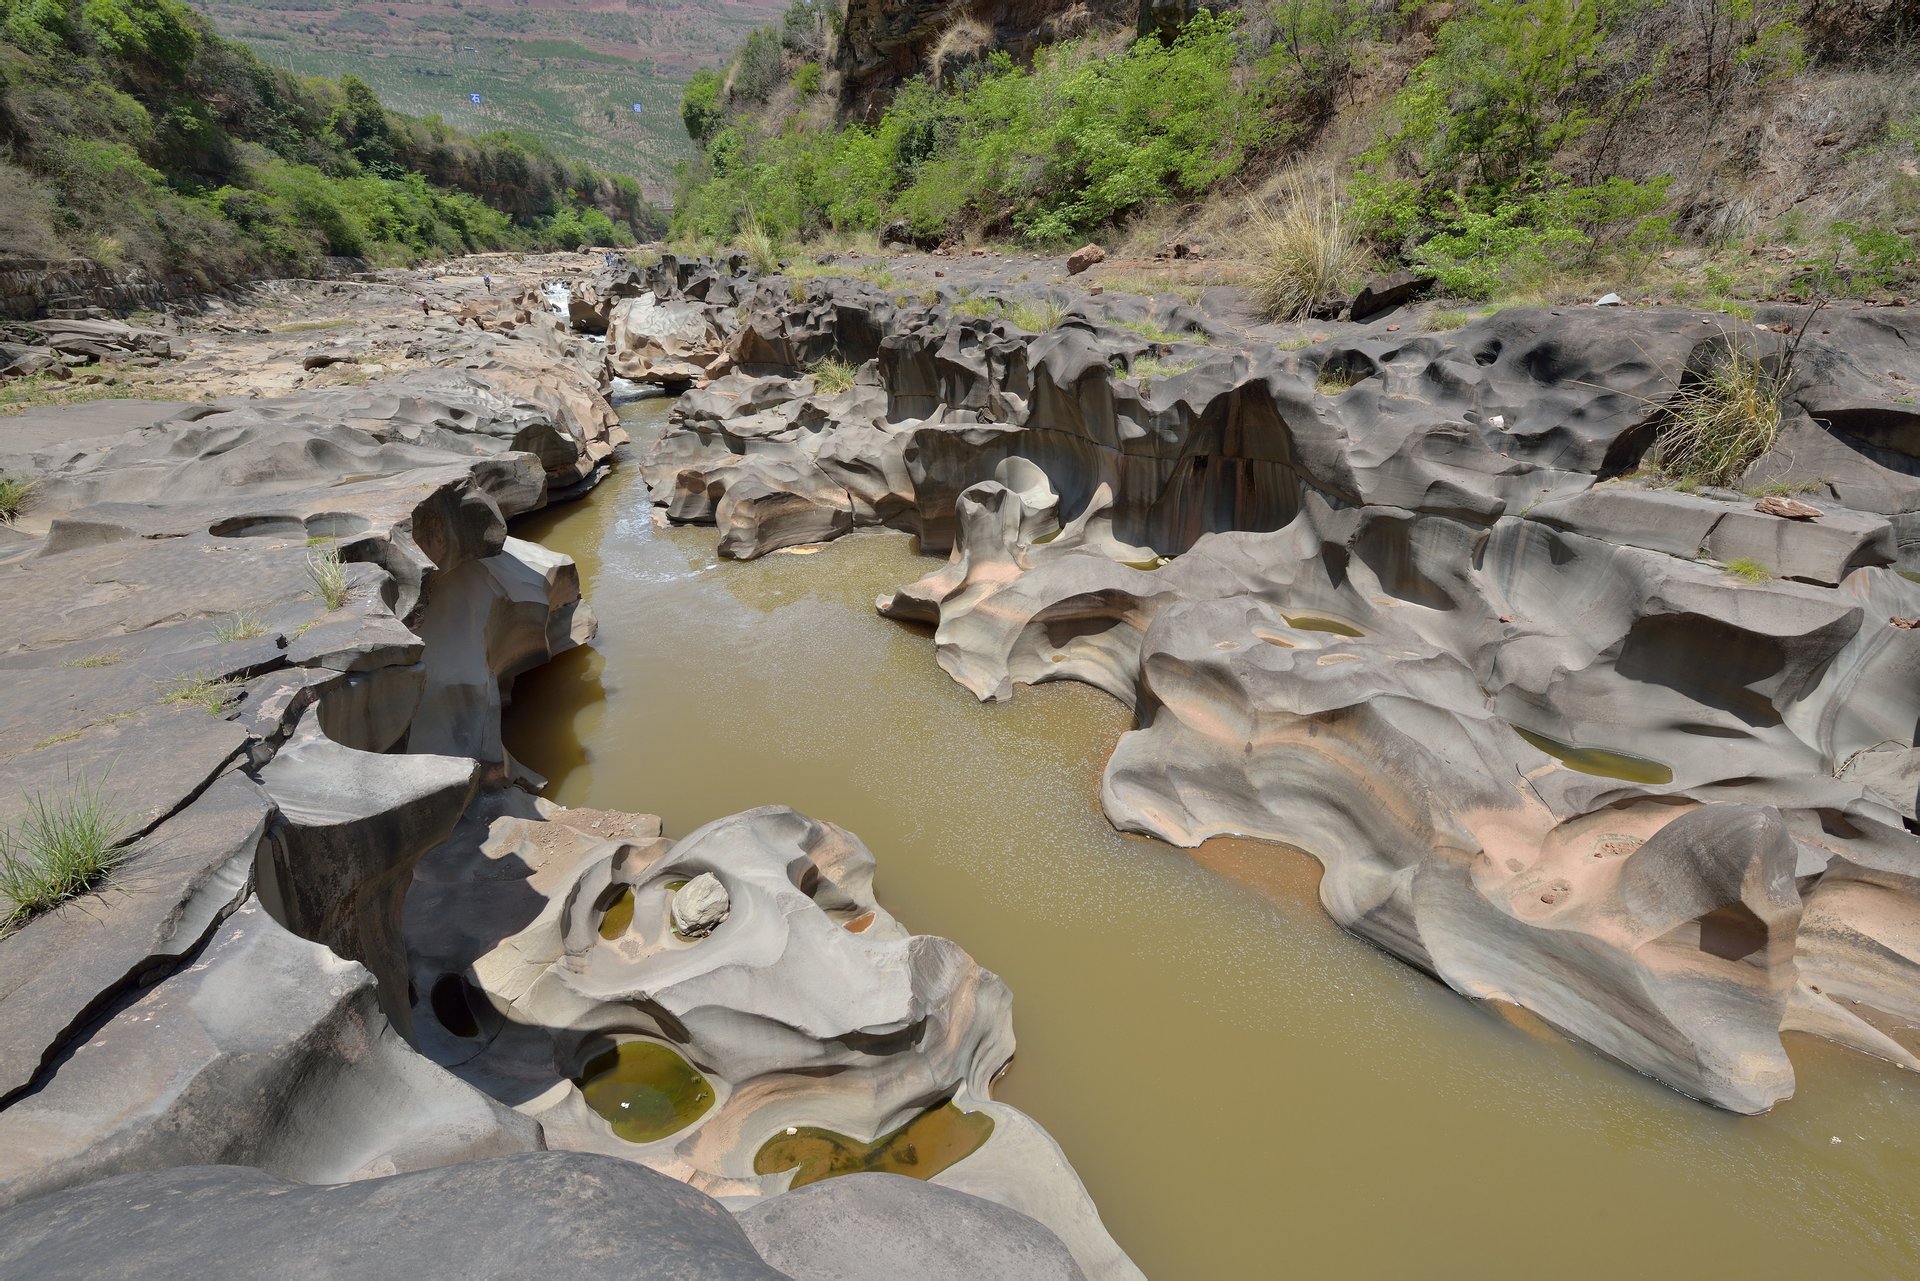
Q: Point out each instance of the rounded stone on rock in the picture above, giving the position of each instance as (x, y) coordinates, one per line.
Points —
(700, 905)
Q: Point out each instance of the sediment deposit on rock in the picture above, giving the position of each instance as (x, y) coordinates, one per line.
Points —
(1399, 599)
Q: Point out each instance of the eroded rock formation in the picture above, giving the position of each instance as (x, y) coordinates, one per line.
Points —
(559, 948)
(1398, 599)
(272, 638)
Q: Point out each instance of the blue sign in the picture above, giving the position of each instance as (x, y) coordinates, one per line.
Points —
(637, 108)
(474, 98)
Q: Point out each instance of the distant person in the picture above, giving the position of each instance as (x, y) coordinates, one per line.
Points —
(425, 309)
(486, 278)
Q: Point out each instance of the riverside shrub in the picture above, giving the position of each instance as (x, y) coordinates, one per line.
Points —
(1051, 151)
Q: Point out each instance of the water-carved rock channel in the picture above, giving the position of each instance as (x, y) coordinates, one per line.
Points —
(1245, 1089)
(1510, 724)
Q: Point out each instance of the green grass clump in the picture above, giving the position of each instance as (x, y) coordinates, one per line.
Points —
(1036, 317)
(978, 308)
(59, 849)
(1331, 380)
(762, 250)
(1751, 571)
(1148, 368)
(1148, 330)
(1719, 423)
(93, 660)
(1441, 321)
(329, 578)
(14, 496)
(238, 626)
(209, 693)
(832, 376)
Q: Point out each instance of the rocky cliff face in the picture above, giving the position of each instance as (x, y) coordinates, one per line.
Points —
(883, 45)
(1396, 599)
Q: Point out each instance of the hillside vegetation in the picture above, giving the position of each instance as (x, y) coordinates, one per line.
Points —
(1506, 147)
(133, 135)
(568, 74)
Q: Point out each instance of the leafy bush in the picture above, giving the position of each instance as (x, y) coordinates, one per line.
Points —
(1052, 150)
(756, 72)
(700, 108)
(1313, 47)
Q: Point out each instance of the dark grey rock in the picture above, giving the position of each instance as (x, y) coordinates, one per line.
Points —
(1383, 293)
(537, 1214)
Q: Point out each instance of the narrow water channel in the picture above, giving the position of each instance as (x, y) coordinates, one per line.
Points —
(1246, 1090)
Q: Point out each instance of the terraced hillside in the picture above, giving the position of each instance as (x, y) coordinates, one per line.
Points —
(567, 72)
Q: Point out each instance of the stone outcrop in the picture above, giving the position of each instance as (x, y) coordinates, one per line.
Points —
(271, 638)
(528, 1215)
(1399, 600)
(31, 287)
(279, 759)
(544, 940)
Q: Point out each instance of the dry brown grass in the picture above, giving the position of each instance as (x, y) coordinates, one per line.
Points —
(1722, 420)
(1302, 247)
(961, 42)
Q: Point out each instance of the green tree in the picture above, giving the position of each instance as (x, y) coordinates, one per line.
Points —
(700, 108)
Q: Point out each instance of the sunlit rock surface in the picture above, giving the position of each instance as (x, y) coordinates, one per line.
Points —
(543, 940)
(1398, 599)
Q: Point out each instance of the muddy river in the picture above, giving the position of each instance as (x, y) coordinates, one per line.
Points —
(1246, 1090)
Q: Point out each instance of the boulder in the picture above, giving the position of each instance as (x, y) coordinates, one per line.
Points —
(536, 1214)
(268, 1051)
(1084, 257)
(1383, 293)
(881, 1227)
(699, 906)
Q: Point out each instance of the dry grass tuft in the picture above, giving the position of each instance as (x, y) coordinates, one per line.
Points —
(959, 43)
(1721, 421)
(329, 578)
(15, 494)
(762, 250)
(1303, 250)
(1037, 317)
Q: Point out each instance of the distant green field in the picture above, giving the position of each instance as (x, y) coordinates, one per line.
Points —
(585, 111)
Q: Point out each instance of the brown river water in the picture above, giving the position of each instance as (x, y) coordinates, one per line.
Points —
(1247, 1090)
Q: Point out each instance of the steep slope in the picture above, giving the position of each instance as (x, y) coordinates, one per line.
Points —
(1506, 149)
(568, 74)
(137, 141)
